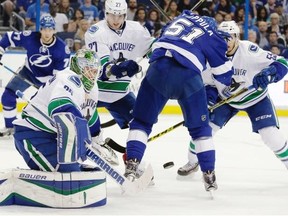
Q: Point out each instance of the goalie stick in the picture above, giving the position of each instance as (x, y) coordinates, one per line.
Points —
(127, 186)
(114, 145)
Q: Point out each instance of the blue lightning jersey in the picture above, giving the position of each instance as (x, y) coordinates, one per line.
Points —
(42, 60)
(193, 42)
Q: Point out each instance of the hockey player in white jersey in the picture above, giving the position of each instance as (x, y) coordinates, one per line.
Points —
(118, 42)
(70, 97)
(252, 66)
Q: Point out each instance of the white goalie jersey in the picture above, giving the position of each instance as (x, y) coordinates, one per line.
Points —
(63, 90)
(130, 43)
(248, 60)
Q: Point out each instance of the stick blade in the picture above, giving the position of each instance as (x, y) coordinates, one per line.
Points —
(140, 184)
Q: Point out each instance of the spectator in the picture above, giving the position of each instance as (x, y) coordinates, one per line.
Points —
(262, 14)
(283, 17)
(22, 6)
(164, 4)
(154, 20)
(75, 4)
(228, 17)
(8, 7)
(273, 40)
(30, 19)
(274, 24)
(252, 36)
(79, 39)
(61, 19)
(254, 5)
(173, 10)
(239, 15)
(270, 6)
(224, 7)
(219, 18)
(275, 49)
(100, 5)
(208, 9)
(286, 35)
(90, 12)
(64, 7)
(132, 8)
(263, 41)
(141, 17)
(73, 24)
(184, 5)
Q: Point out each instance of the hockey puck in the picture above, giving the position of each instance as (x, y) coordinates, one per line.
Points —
(168, 165)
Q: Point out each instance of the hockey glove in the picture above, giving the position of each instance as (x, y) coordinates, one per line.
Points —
(266, 76)
(212, 95)
(125, 68)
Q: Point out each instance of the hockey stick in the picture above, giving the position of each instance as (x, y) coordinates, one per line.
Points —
(18, 75)
(108, 123)
(126, 185)
(160, 10)
(197, 5)
(114, 145)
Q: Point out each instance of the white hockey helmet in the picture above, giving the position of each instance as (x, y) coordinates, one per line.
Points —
(230, 27)
(116, 7)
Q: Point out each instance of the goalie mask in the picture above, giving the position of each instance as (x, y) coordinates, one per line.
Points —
(86, 64)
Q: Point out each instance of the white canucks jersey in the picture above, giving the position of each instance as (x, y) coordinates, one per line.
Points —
(248, 60)
(130, 43)
(63, 91)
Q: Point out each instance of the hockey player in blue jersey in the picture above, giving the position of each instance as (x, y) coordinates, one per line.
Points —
(178, 58)
(46, 54)
(253, 66)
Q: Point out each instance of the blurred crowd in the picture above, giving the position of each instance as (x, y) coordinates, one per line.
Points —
(267, 24)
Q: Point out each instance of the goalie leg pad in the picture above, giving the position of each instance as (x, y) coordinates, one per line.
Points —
(73, 133)
(53, 189)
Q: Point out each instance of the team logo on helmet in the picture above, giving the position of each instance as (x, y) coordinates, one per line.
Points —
(47, 21)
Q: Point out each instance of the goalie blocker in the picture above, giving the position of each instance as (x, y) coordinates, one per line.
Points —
(53, 189)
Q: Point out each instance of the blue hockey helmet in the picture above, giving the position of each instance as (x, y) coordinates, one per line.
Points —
(47, 21)
(211, 21)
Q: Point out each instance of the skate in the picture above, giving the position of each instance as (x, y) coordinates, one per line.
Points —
(6, 132)
(188, 169)
(210, 180)
(131, 169)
